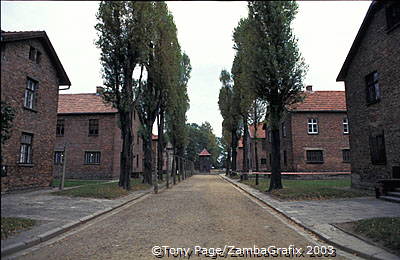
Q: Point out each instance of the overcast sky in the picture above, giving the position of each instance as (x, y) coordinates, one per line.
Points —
(325, 31)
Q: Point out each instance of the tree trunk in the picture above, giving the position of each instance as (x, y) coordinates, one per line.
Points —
(228, 161)
(160, 144)
(234, 152)
(126, 154)
(245, 147)
(276, 178)
(255, 151)
(148, 157)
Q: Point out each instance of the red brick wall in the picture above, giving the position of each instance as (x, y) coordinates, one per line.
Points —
(379, 50)
(330, 139)
(108, 142)
(15, 68)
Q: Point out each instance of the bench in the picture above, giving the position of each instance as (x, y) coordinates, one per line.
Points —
(384, 186)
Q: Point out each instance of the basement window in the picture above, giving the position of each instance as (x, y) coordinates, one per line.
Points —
(314, 156)
(92, 157)
(346, 155)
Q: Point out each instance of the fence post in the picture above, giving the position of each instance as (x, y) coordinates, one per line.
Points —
(64, 166)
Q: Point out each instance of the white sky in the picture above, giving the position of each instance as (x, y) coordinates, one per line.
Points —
(325, 29)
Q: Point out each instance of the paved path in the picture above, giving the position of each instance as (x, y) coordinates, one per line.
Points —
(318, 216)
(52, 213)
(203, 211)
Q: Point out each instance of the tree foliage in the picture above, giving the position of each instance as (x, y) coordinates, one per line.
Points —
(276, 65)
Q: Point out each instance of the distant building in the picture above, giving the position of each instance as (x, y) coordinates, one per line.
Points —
(89, 128)
(258, 140)
(31, 74)
(313, 134)
(205, 161)
(371, 73)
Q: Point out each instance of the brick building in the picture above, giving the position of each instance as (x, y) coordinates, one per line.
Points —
(254, 139)
(89, 128)
(31, 75)
(314, 136)
(371, 73)
(205, 161)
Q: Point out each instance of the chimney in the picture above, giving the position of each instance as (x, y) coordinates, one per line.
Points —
(99, 90)
(309, 88)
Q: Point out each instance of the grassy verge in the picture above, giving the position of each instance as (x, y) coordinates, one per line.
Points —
(310, 189)
(74, 183)
(102, 190)
(10, 226)
(383, 232)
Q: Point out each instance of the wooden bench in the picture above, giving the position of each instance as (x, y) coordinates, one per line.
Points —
(386, 185)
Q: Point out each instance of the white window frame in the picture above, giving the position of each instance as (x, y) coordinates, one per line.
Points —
(312, 124)
(346, 126)
(30, 93)
(25, 156)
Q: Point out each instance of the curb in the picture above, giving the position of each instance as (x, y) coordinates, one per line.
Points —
(312, 230)
(19, 246)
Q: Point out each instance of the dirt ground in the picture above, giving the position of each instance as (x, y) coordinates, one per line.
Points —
(202, 213)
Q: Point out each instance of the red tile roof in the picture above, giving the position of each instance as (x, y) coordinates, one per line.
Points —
(83, 103)
(204, 153)
(260, 131)
(321, 101)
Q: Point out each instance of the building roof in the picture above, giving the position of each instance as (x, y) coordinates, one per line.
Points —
(83, 104)
(260, 131)
(317, 101)
(373, 8)
(204, 153)
(42, 37)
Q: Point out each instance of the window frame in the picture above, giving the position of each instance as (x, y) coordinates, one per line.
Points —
(372, 86)
(31, 90)
(96, 161)
(60, 128)
(312, 124)
(377, 149)
(58, 160)
(26, 149)
(94, 128)
(263, 161)
(314, 161)
(346, 128)
(283, 126)
(346, 157)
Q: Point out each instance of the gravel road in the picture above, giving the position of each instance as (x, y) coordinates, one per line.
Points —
(203, 211)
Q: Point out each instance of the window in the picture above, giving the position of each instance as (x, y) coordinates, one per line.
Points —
(137, 161)
(392, 15)
(58, 157)
(283, 129)
(263, 161)
(346, 155)
(30, 93)
(284, 158)
(93, 127)
(312, 126)
(34, 54)
(373, 91)
(377, 149)
(26, 149)
(345, 125)
(314, 156)
(92, 157)
(60, 127)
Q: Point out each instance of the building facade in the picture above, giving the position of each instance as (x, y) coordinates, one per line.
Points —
(88, 129)
(371, 73)
(31, 76)
(313, 136)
